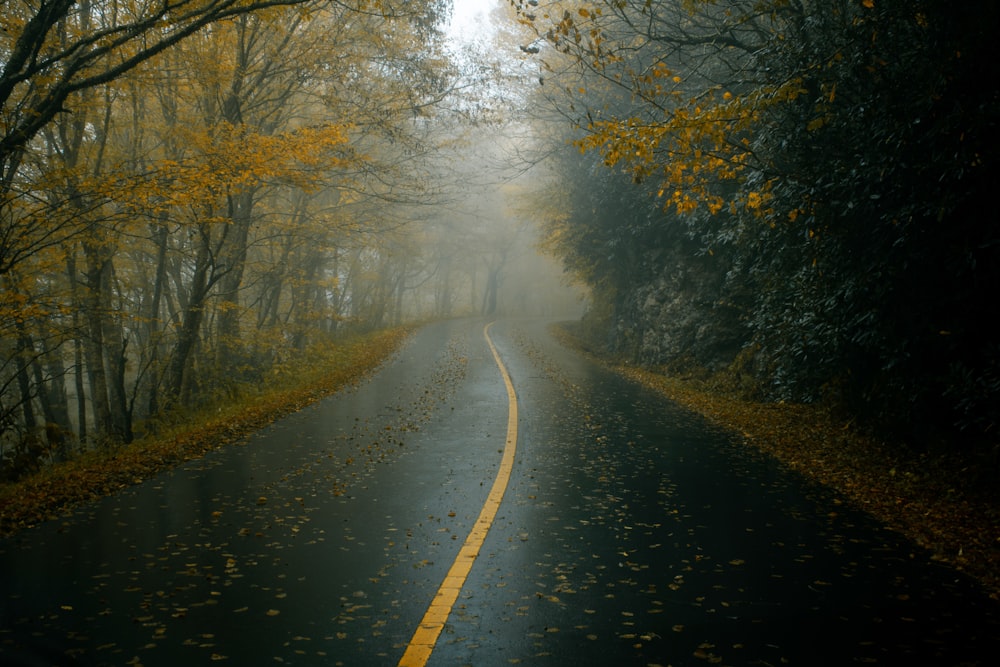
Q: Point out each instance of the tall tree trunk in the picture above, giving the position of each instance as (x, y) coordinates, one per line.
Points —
(51, 391)
(496, 265)
(54, 401)
(232, 265)
(302, 308)
(397, 315)
(153, 319)
(176, 382)
(93, 351)
(106, 345)
(25, 351)
(490, 295)
(232, 258)
(78, 352)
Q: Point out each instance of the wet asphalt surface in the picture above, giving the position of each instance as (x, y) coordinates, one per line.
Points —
(632, 533)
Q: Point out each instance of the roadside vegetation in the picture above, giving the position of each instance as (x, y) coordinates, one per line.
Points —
(788, 199)
(183, 210)
(192, 431)
(778, 209)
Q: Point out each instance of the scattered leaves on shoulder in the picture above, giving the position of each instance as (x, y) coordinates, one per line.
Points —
(925, 498)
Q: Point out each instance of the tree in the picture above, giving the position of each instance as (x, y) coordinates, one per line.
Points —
(182, 221)
(834, 154)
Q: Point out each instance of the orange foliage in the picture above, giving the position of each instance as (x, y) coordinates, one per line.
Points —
(695, 147)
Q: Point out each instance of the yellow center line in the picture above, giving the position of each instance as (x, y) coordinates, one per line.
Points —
(418, 652)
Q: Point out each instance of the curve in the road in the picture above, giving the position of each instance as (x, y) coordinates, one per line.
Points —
(418, 651)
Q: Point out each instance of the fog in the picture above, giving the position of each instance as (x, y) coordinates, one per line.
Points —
(219, 202)
(478, 248)
(471, 247)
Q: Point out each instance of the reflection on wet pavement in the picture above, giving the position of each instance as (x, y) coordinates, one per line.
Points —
(632, 533)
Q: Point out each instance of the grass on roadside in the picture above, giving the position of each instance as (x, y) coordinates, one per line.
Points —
(58, 488)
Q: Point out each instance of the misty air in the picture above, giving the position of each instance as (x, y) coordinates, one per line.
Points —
(498, 332)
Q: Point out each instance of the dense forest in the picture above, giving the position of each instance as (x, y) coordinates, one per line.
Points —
(198, 195)
(790, 198)
(793, 198)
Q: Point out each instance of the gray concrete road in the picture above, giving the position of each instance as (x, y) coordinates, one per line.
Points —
(630, 533)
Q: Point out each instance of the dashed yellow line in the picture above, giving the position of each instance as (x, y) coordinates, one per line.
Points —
(422, 644)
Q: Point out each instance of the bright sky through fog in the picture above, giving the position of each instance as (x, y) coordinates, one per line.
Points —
(470, 20)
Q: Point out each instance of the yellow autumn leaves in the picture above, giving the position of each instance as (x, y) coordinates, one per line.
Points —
(678, 121)
(226, 159)
(695, 148)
